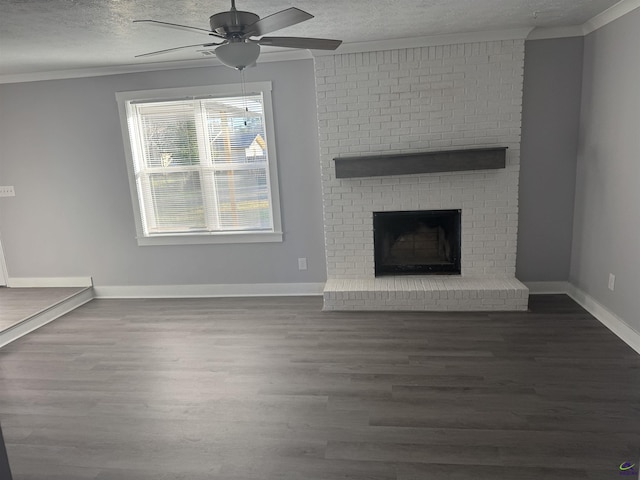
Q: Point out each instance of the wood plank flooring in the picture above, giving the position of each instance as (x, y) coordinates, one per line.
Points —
(16, 304)
(273, 388)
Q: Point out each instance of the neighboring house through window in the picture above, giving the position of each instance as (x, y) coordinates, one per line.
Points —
(202, 166)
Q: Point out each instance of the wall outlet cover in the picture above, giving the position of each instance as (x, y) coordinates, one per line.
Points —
(7, 191)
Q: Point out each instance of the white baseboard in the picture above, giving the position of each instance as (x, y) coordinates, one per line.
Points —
(605, 316)
(540, 288)
(26, 282)
(609, 319)
(45, 316)
(214, 290)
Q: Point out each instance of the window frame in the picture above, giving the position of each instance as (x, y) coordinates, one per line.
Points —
(124, 99)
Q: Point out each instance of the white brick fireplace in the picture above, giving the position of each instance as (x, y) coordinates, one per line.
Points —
(445, 97)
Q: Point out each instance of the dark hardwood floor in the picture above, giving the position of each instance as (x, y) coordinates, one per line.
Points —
(273, 388)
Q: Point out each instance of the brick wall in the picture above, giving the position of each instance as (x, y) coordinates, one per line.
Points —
(422, 99)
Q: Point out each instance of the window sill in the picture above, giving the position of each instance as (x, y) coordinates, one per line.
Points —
(204, 239)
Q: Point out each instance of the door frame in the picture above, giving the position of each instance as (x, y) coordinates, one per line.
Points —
(4, 275)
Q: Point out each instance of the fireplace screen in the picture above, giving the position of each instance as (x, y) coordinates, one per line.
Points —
(417, 243)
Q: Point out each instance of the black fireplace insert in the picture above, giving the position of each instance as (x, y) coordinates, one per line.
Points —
(425, 242)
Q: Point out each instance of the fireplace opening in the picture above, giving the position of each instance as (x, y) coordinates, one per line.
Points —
(417, 242)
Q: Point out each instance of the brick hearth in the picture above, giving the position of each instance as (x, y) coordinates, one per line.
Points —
(433, 292)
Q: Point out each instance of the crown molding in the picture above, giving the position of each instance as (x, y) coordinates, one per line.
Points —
(609, 15)
(542, 33)
(103, 71)
(428, 41)
(612, 13)
(205, 62)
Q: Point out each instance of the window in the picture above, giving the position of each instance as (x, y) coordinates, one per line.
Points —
(202, 164)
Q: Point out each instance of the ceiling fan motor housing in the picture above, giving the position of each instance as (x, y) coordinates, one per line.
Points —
(232, 22)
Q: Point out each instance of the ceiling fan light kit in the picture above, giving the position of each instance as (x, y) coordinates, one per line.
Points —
(238, 55)
(235, 28)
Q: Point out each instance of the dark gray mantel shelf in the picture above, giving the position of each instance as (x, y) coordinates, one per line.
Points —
(425, 162)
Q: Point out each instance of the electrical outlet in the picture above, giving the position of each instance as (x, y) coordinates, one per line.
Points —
(7, 191)
(612, 281)
(302, 264)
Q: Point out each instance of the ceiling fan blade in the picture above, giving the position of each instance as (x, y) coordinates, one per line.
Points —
(300, 42)
(282, 19)
(180, 27)
(160, 52)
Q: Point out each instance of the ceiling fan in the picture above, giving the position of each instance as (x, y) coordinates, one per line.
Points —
(235, 29)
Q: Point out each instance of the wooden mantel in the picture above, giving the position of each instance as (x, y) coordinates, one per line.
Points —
(424, 162)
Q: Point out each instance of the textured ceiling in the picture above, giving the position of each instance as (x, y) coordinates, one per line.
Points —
(52, 35)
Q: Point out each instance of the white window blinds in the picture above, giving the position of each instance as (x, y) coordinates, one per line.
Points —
(201, 165)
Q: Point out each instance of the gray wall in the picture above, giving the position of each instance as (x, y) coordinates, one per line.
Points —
(550, 119)
(606, 235)
(63, 151)
(72, 216)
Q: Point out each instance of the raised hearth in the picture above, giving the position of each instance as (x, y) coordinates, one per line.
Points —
(432, 292)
